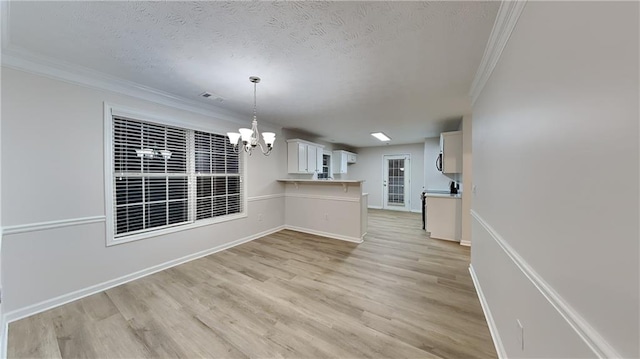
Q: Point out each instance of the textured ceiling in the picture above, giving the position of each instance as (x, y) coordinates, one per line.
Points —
(340, 70)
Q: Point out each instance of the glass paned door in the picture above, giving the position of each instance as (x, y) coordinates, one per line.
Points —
(395, 184)
(326, 167)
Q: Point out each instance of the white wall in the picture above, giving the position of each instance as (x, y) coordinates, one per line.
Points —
(434, 179)
(467, 178)
(52, 170)
(555, 161)
(3, 333)
(326, 209)
(369, 168)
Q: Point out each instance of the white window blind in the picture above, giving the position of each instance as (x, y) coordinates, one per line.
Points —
(165, 176)
(218, 176)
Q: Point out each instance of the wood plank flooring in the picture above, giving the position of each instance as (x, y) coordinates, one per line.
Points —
(288, 295)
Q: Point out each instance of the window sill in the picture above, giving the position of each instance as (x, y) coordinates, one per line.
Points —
(178, 228)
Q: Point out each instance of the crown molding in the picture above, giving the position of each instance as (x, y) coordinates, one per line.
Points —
(23, 60)
(506, 20)
(19, 59)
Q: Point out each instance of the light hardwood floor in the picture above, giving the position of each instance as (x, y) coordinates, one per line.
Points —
(397, 295)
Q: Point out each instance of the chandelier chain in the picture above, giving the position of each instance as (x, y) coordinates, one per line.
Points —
(255, 113)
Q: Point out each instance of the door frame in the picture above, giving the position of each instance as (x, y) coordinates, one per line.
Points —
(330, 166)
(407, 181)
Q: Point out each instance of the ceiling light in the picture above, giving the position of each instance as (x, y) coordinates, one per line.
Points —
(250, 136)
(381, 136)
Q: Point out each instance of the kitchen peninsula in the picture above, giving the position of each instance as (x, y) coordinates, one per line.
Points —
(329, 208)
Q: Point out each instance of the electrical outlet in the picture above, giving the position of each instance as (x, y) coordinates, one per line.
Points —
(473, 189)
(326, 216)
(260, 217)
(520, 333)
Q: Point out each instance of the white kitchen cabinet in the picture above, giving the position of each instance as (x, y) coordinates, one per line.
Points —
(451, 149)
(318, 160)
(444, 217)
(304, 156)
(341, 159)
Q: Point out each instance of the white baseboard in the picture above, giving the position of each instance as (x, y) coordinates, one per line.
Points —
(325, 234)
(70, 297)
(444, 239)
(493, 329)
(465, 243)
(401, 210)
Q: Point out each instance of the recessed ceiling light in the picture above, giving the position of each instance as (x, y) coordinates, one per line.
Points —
(381, 136)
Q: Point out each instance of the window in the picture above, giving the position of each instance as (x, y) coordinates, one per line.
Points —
(165, 177)
(326, 166)
(217, 176)
(150, 190)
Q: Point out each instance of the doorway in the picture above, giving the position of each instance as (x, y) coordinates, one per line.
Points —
(396, 181)
(327, 171)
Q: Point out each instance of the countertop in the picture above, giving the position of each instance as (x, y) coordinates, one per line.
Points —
(319, 181)
(443, 194)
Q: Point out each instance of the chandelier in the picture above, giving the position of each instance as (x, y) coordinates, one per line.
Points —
(250, 136)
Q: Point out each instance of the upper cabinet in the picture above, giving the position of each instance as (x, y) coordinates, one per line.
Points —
(341, 159)
(451, 150)
(304, 156)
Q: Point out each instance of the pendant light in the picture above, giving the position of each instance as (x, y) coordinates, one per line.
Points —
(250, 137)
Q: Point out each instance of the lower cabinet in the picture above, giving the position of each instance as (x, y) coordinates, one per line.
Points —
(444, 217)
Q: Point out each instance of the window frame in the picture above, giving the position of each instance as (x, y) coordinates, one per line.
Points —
(111, 110)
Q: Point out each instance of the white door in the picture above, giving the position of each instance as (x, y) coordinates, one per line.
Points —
(396, 182)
